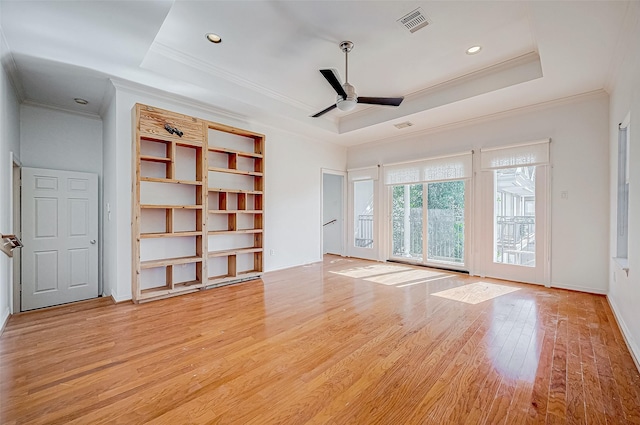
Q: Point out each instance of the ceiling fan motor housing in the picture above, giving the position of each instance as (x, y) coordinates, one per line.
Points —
(351, 93)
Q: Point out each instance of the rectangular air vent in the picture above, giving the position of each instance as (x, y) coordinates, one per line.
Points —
(415, 20)
(403, 125)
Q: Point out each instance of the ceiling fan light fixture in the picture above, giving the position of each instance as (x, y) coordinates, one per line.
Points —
(214, 38)
(347, 105)
(473, 50)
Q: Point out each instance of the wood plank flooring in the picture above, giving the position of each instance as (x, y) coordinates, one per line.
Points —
(340, 342)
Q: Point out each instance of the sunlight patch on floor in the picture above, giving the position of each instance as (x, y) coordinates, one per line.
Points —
(393, 275)
(373, 270)
(475, 293)
(403, 277)
(445, 276)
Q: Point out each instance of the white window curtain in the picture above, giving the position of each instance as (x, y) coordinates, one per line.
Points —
(443, 168)
(365, 173)
(534, 153)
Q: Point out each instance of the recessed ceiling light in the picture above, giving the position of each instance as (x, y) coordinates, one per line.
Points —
(80, 101)
(214, 38)
(473, 50)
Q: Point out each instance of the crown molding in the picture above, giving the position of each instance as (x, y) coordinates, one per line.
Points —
(582, 97)
(517, 70)
(10, 66)
(199, 64)
(207, 108)
(29, 102)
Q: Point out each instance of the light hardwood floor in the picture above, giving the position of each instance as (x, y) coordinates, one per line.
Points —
(340, 342)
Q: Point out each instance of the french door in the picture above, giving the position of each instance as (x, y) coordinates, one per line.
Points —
(428, 223)
(515, 214)
(362, 228)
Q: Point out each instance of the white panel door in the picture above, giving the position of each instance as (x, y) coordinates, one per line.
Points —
(515, 224)
(60, 233)
(363, 218)
(332, 213)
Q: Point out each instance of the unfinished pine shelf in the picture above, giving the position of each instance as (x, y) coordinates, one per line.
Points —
(197, 204)
(235, 166)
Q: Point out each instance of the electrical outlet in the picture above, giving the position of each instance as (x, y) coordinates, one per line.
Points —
(564, 194)
(272, 252)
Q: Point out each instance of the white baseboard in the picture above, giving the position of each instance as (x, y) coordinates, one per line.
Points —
(4, 319)
(119, 300)
(626, 334)
(579, 288)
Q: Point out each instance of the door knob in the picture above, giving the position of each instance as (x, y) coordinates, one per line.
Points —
(93, 241)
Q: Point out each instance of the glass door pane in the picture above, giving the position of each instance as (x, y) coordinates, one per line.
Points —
(406, 217)
(363, 213)
(514, 216)
(445, 218)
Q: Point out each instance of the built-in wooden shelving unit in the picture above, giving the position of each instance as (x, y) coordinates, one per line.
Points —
(197, 204)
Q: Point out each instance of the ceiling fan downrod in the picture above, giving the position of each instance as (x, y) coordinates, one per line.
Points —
(346, 47)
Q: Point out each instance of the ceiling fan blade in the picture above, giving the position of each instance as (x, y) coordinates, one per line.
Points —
(390, 101)
(324, 111)
(332, 77)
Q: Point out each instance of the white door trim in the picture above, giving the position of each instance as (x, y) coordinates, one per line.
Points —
(14, 219)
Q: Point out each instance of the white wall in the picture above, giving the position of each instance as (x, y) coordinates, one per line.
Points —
(624, 291)
(9, 142)
(579, 152)
(60, 140)
(292, 194)
(109, 204)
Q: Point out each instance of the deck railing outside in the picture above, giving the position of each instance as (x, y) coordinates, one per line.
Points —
(364, 231)
(445, 234)
(515, 240)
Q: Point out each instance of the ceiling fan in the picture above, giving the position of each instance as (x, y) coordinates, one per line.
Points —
(347, 97)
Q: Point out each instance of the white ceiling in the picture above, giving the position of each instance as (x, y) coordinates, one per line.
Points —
(266, 68)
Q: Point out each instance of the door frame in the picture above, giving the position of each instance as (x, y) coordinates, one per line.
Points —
(15, 210)
(541, 273)
(343, 212)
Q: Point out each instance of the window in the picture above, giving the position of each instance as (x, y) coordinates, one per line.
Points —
(622, 236)
(514, 211)
(363, 213)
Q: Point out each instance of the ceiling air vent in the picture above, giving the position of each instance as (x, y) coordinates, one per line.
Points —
(402, 125)
(414, 21)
